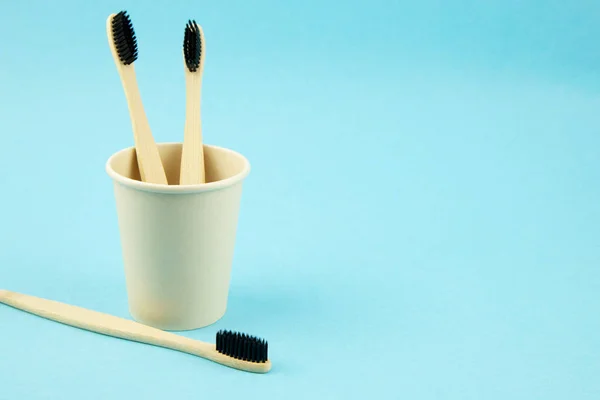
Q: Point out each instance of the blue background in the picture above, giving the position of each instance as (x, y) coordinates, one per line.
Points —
(422, 219)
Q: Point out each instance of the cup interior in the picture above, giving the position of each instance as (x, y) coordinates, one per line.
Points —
(220, 164)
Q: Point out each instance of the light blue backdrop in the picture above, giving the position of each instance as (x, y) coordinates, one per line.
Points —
(422, 219)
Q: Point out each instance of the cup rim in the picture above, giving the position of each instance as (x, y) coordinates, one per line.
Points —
(174, 189)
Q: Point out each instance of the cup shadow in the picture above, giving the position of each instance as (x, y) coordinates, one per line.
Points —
(264, 310)
(269, 306)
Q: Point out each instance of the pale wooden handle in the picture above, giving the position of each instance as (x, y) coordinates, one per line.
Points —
(192, 153)
(148, 156)
(110, 325)
(102, 323)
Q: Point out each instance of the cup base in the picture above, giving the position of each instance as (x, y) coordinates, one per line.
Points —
(175, 326)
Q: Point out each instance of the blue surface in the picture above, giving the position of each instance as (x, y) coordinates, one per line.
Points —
(422, 219)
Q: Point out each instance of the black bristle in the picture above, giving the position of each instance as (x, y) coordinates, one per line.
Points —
(218, 344)
(242, 346)
(247, 350)
(238, 346)
(266, 348)
(124, 38)
(224, 344)
(192, 46)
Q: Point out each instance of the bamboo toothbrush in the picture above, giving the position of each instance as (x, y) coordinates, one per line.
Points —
(123, 46)
(192, 154)
(235, 350)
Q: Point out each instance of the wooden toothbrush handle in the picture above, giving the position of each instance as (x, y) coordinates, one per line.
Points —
(148, 155)
(192, 170)
(105, 324)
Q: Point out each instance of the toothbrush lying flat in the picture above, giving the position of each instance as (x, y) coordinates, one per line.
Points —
(232, 349)
(123, 46)
(192, 154)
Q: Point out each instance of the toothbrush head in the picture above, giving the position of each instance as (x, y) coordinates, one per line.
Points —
(124, 38)
(193, 46)
(242, 346)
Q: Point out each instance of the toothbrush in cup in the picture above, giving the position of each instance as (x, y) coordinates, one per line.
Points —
(192, 153)
(123, 46)
(232, 349)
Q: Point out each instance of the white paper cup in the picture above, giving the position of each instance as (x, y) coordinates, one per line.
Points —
(178, 241)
